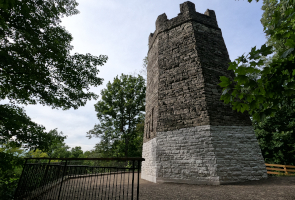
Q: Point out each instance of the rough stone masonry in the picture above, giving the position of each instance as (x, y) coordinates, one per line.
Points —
(190, 135)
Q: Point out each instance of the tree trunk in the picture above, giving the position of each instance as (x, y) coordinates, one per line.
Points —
(126, 147)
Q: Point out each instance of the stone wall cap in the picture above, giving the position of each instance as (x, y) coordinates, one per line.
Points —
(187, 13)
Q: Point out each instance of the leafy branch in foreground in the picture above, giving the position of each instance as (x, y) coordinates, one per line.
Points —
(36, 66)
(17, 128)
(35, 61)
(276, 86)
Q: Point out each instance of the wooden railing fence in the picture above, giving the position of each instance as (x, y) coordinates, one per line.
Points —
(280, 169)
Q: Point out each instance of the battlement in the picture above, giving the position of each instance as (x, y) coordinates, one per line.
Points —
(187, 7)
(187, 13)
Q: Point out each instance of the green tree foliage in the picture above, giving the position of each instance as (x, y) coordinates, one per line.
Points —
(37, 153)
(269, 8)
(11, 161)
(76, 152)
(94, 153)
(117, 148)
(61, 150)
(135, 147)
(58, 149)
(276, 85)
(87, 154)
(36, 65)
(16, 125)
(276, 136)
(274, 126)
(122, 105)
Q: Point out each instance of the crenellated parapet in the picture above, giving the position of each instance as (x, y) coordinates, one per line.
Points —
(187, 13)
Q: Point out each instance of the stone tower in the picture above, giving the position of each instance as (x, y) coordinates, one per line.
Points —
(190, 135)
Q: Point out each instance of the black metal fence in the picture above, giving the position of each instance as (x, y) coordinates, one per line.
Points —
(79, 178)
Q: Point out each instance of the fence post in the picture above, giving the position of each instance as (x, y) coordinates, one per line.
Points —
(63, 174)
(139, 163)
(132, 178)
(285, 168)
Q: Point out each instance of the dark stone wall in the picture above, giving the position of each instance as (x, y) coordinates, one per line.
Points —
(186, 57)
(152, 92)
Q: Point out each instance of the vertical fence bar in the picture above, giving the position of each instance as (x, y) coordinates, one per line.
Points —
(132, 178)
(120, 184)
(62, 179)
(138, 163)
(128, 183)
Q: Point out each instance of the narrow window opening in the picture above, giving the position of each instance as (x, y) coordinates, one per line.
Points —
(152, 120)
(146, 130)
(149, 130)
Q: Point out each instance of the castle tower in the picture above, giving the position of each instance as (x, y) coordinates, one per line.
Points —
(190, 135)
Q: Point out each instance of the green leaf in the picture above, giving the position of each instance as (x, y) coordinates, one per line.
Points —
(242, 59)
(252, 105)
(242, 70)
(232, 65)
(241, 96)
(290, 43)
(242, 79)
(254, 53)
(260, 62)
(266, 50)
(225, 82)
(286, 53)
(244, 107)
(267, 70)
(225, 98)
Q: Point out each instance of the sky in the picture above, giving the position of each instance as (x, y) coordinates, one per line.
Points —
(120, 30)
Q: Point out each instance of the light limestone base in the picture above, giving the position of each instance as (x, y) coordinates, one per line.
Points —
(211, 155)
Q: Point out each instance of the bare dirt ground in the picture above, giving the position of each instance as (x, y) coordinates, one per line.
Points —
(272, 188)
